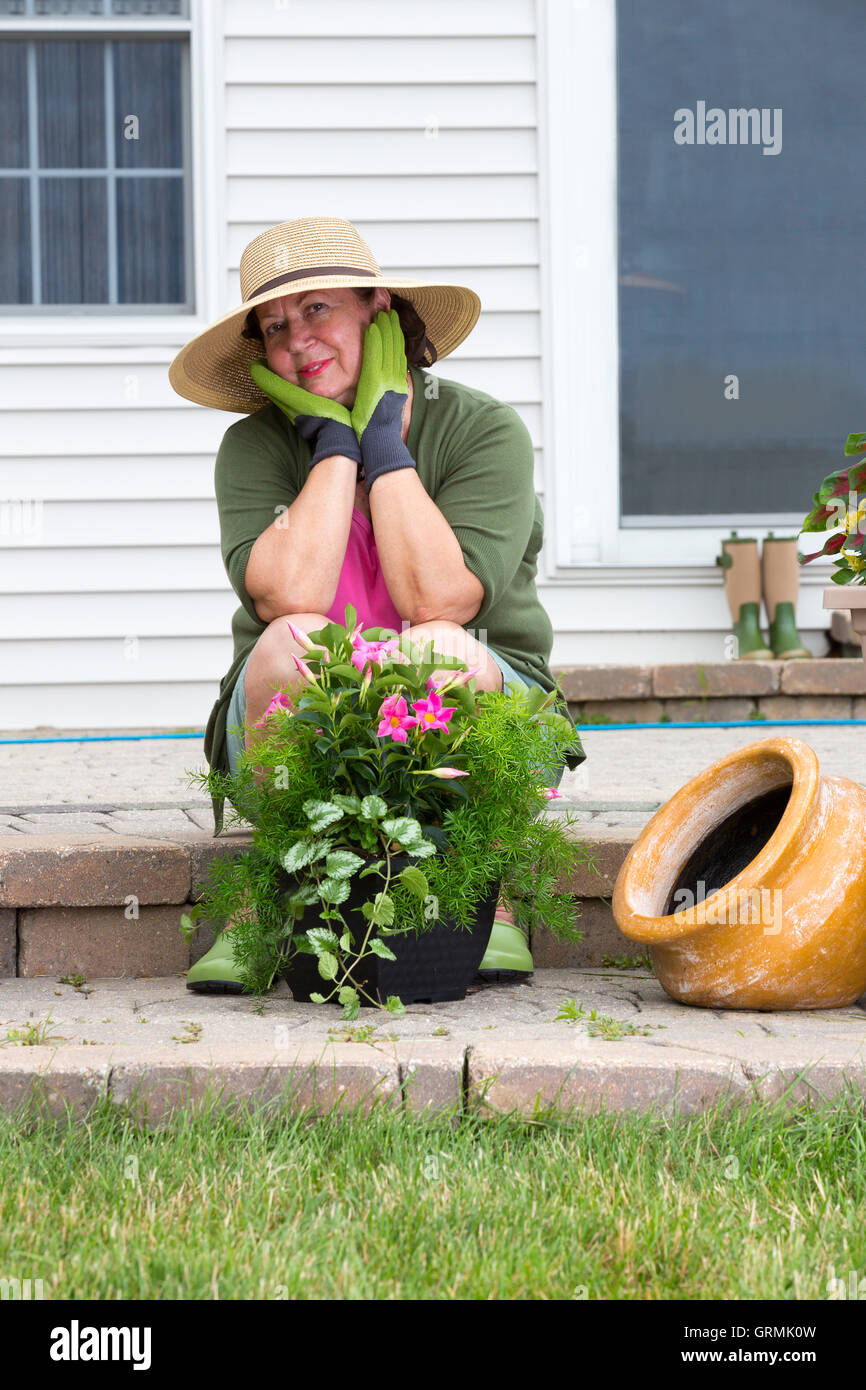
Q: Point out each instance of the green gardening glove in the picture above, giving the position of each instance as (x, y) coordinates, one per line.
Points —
(325, 424)
(382, 392)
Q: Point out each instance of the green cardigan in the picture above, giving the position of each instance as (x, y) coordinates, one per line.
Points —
(474, 458)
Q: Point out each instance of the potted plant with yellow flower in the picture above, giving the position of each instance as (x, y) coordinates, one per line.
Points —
(389, 808)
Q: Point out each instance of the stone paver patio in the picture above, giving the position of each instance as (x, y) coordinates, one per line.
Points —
(502, 1048)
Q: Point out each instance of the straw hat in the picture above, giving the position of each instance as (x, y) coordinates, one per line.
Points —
(309, 253)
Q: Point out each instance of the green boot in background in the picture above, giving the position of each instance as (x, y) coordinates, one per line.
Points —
(780, 574)
(739, 560)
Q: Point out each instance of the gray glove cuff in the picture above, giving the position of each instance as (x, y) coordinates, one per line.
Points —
(329, 439)
(383, 451)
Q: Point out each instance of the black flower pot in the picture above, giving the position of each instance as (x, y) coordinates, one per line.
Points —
(432, 966)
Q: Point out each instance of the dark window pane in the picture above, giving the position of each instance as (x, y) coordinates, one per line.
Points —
(16, 285)
(13, 106)
(70, 7)
(150, 241)
(73, 230)
(147, 105)
(70, 88)
(736, 262)
(49, 8)
(52, 7)
(175, 7)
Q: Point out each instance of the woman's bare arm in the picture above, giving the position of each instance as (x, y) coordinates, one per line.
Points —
(294, 566)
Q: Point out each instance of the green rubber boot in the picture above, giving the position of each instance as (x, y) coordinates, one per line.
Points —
(742, 574)
(780, 575)
(216, 972)
(784, 637)
(507, 956)
(747, 630)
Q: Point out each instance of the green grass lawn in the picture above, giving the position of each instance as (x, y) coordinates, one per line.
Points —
(753, 1205)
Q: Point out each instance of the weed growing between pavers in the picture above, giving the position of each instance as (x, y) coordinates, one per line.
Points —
(601, 1025)
(758, 1203)
(624, 962)
(32, 1034)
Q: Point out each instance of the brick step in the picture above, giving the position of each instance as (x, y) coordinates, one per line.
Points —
(109, 906)
(830, 688)
(152, 1048)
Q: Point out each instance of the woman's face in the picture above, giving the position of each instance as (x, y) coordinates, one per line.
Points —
(316, 339)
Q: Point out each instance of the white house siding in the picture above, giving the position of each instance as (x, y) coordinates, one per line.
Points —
(417, 122)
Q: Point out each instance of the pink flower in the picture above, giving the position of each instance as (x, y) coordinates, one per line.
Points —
(395, 719)
(432, 715)
(280, 701)
(550, 793)
(441, 680)
(370, 651)
(449, 772)
(438, 681)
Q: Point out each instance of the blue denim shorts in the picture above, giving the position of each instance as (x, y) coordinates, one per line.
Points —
(238, 707)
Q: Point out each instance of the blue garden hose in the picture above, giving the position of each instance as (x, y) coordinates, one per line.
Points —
(102, 738)
(719, 724)
(583, 728)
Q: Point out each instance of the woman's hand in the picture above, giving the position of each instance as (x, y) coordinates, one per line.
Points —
(377, 414)
(326, 425)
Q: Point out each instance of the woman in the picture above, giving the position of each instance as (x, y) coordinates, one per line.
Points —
(359, 480)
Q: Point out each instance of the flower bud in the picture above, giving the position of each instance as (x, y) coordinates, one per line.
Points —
(300, 636)
(303, 668)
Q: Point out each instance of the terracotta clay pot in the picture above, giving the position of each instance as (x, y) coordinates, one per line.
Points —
(749, 885)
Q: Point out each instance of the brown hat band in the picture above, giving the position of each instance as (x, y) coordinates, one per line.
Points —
(309, 273)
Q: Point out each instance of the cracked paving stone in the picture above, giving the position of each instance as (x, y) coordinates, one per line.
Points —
(58, 824)
(13, 823)
(162, 823)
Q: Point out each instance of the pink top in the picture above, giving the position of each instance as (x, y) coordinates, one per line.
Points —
(362, 582)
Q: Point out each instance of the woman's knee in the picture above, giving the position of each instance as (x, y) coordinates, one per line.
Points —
(453, 640)
(270, 662)
(307, 622)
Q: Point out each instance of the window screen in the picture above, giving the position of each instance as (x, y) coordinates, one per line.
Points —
(741, 235)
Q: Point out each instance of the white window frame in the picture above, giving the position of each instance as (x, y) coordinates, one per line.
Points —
(47, 338)
(578, 171)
